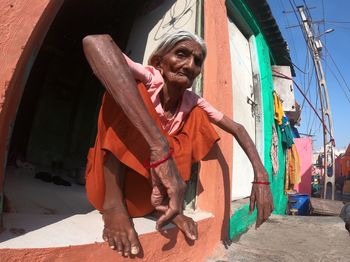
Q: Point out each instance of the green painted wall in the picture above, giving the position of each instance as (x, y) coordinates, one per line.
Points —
(241, 219)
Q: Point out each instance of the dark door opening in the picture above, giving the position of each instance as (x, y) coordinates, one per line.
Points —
(56, 120)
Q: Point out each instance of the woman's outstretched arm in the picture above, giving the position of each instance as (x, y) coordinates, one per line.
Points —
(261, 194)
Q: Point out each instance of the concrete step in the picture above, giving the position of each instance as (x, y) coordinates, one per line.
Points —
(44, 231)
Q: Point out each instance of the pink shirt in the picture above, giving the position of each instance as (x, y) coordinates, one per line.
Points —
(154, 83)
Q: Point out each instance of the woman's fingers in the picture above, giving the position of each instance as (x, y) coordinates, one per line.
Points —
(167, 216)
(252, 202)
(166, 181)
(260, 218)
(194, 230)
(261, 197)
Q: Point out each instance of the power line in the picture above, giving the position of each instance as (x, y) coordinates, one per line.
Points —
(336, 66)
(286, 21)
(314, 118)
(341, 86)
(324, 24)
(341, 27)
(337, 22)
(293, 6)
(301, 91)
(314, 47)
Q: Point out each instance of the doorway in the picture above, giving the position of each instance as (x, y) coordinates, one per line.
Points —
(246, 102)
(56, 120)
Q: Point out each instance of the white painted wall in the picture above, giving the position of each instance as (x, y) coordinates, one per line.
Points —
(148, 29)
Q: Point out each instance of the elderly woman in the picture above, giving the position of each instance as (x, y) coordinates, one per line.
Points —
(150, 130)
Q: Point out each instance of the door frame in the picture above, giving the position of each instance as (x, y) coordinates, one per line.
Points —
(236, 17)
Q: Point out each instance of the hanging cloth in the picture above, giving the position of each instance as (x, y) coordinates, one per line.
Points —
(286, 133)
(277, 103)
(293, 175)
(274, 150)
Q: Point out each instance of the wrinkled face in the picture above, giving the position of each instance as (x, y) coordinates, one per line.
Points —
(182, 64)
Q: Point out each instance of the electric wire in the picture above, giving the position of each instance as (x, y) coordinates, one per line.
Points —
(302, 93)
(341, 27)
(314, 118)
(310, 77)
(336, 66)
(290, 33)
(293, 6)
(341, 86)
(308, 52)
(337, 22)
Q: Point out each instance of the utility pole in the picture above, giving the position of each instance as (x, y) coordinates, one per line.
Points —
(315, 48)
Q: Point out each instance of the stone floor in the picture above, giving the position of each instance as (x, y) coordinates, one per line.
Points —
(291, 238)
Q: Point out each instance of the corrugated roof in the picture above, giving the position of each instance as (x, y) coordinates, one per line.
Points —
(278, 45)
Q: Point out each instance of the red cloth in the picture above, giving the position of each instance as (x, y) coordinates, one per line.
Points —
(118, 135)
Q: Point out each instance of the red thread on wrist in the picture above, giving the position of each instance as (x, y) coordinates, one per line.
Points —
(158, 162)
(261, 182)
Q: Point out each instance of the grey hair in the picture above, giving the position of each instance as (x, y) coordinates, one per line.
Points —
(170, 40)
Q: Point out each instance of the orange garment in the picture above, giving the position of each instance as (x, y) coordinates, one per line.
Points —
(118, 135)
(278, 108)
(293, 175)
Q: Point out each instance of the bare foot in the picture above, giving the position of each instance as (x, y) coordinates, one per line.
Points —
(187, 226)
(119, 233)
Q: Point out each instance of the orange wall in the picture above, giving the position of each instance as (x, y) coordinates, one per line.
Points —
(21, 41)
(23, 26)
(218, 91)
(171, 246)
(345, 170)
(337, 166)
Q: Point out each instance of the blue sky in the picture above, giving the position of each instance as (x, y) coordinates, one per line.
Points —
(336, 14)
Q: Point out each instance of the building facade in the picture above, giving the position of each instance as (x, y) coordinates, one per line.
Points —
(49, 102)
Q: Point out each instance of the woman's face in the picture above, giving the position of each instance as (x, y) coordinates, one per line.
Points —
(182, 64)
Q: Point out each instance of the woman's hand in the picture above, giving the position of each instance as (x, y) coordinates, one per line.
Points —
(168, 190)
(261, 197)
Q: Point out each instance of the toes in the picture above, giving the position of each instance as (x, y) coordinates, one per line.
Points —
(126, 245)
(111, 242)
(135, 243)
(119, 247)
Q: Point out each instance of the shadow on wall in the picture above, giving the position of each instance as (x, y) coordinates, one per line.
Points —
(216, 154)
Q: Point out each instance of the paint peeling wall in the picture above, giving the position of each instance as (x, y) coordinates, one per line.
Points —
(241, 220)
